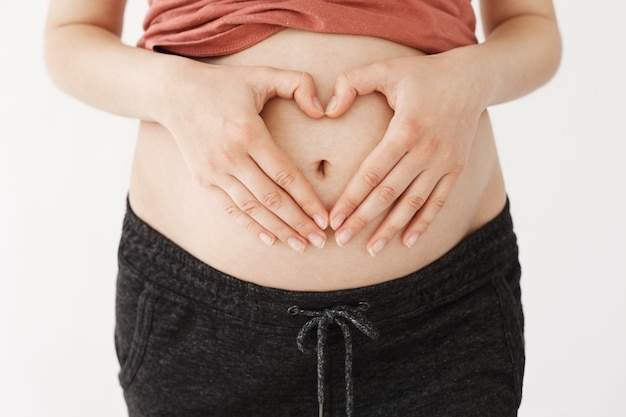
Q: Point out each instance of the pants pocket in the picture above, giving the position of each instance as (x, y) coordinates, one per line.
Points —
(142, 311)
(509, 299)
(140, 335)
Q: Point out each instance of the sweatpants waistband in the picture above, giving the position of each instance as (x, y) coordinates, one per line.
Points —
(470, 264)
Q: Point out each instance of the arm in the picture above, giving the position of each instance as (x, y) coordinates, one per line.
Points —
(438, 100)
(212, 113)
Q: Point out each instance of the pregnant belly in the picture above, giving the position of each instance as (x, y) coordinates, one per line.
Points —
(328, 152)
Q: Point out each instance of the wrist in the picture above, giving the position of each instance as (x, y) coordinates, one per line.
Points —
(477, 71)
(168, 79)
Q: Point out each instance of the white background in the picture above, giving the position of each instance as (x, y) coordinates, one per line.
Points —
(63, 176)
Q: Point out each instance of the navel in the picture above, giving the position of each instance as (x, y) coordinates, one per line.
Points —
(322, 167)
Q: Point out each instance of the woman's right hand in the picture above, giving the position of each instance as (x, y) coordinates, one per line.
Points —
(213, 114)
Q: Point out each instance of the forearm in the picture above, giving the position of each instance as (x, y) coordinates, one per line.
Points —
(211, 112)
(518, 56)
(92, 64)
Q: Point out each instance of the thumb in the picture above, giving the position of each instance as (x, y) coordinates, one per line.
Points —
(296, 85)
(356, 82)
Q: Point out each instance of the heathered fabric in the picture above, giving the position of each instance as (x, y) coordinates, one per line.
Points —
(194, 342)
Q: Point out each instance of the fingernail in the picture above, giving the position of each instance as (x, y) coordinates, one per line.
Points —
(320, 221)
(332, 104)
(337, 221)
(265, 238)
(295, 244)
(377, 247)
(412, 239)
(318, 105)
(317, 240)
(344, 237)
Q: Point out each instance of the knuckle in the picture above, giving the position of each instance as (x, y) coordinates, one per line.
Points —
(390, 229)
(269, 70)
(415, 202)
(251, 226)
(457, 167)
(301, 84)
(216, 190)
(204, 180)
(347, 83)
(423, 224)
(300, 224)
(406, 140)
(371, 178)
(305, 78)
(282, 232)
(449, 157)
(430, 146)
(387, 194)
(231, 210)
(242, 129)
(273, 200)
(284, 178)
(251, 207)
(410, 127)
(306, 205)
(379, 67)
(359, 220)
(225, 156)
(230, 160)
(346, 78)
(438, 203)
(351, 204)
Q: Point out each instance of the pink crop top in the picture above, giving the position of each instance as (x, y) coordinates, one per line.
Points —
(220, 27)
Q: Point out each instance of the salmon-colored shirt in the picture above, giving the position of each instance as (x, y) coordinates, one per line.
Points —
(220, 27)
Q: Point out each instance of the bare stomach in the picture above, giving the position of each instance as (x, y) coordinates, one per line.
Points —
(328, 152)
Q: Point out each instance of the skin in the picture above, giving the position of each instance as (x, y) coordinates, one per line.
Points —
(438, 100)
(412, 170)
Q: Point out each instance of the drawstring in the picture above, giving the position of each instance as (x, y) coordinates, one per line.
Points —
(322, 319)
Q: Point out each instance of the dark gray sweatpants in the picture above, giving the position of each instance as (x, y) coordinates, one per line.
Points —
(445, 341)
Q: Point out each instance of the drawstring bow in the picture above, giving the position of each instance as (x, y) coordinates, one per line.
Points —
(343, 316)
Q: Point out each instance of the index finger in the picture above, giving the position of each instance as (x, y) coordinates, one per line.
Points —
(372, 171)
(357, 82)
(273, 161)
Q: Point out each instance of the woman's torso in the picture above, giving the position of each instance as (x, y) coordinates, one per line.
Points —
(163, 193)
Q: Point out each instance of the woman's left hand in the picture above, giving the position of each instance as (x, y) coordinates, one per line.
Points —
(437, 102)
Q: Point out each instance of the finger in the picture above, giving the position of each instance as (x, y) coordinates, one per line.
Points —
(372, 171)
(288, 194)
(248, 203)
(296, 85)
(405, 209)
(429, 211)
(359, 81)
(382, 197)
(275, 200)
(240, 217)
